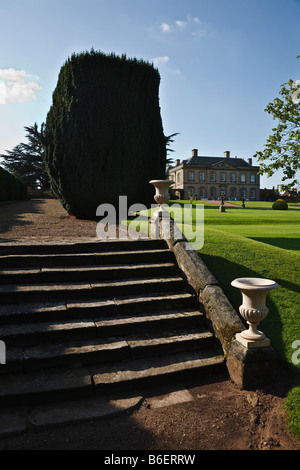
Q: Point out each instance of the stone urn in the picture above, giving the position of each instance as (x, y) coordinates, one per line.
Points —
(162, 194)
(253, 309)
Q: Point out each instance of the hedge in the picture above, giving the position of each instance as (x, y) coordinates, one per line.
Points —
(11, 187)
(104, 135)
(280, 205)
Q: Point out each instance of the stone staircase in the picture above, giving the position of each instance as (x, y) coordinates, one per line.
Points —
(86, 319)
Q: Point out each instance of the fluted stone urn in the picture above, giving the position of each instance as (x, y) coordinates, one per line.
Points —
(162, 194)
(253, 309)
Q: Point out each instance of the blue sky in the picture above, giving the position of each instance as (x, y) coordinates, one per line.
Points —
(220, 61)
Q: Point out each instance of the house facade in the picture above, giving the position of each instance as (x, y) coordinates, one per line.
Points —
(214, 177)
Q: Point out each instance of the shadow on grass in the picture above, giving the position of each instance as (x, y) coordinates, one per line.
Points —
(285, 243)
(225, 272)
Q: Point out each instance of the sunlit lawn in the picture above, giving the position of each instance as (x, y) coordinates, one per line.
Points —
(261, 243)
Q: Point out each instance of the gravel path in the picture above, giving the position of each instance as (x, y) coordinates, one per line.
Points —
(41, 219)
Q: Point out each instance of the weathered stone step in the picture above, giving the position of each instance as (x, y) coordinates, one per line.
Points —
(63, 383)
(131, 373)
(26, 334)
(85, 273)
(45, 386)
(67, 291)
(81, 247)
(84, 259)
(86, 308)
(104, 350)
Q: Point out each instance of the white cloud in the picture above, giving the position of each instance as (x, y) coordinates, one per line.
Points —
(2, 93)
(157, 61)
(194, 26)
(160, 60)
(16, 86)
(181, 24)
(166, 28)
(196, 20)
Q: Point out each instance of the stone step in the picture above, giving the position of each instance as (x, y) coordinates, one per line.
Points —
(85, 259)
(80, 319)
(160, 369)
(104, 350)
(86, 308)
(26, 334)
(85, 273)
(67, 290)
(64, 383)
(94, 246)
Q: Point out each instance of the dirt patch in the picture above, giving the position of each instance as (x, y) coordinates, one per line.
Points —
(212, 415)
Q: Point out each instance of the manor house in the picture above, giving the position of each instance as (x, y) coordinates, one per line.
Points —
(213, 177)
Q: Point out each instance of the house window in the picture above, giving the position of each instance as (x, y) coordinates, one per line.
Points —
(178, 177)
(191, 176)
(243, 193)
(233, 177)
(212, 193)
(191, 191)
(233, 193)
(252, 193)
(252, 178)
(243, 177)
(201, 176)
(213, 177)
(202, 192)
(223, 177)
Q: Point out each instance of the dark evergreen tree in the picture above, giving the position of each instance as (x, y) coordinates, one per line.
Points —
(26, 159)
(104, 135)
(12, 188)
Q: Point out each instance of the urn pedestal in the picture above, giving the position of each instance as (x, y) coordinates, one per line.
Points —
(253, 309)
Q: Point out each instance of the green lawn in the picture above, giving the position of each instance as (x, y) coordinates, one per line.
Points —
(258, 242)
(261, 242)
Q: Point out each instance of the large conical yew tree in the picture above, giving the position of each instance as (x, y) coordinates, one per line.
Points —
(104, 135)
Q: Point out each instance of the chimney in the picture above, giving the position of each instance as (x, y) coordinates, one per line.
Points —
(195, 152)
(177, 162)
(250, 161)
(227, 154)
